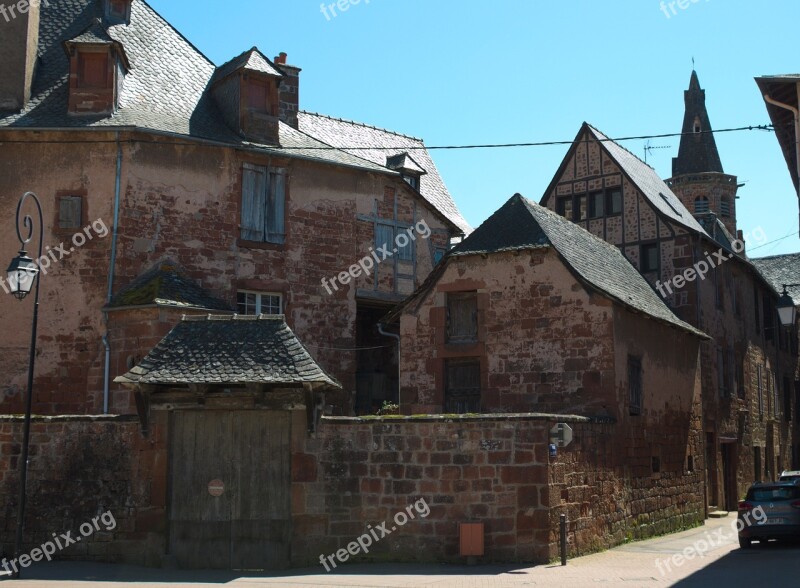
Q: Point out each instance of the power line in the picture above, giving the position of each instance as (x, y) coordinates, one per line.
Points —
(792, 234)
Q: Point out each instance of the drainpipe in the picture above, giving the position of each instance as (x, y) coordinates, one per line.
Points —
(796, 114)
(117, 188)
(394, 336)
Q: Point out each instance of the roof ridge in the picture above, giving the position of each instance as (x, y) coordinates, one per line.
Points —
(361, 124)
(177, 32)
(621, 146)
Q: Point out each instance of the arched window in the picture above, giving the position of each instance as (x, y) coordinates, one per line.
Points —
(700, 205)
(725, 206)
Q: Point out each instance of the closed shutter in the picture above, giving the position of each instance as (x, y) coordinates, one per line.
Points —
(384, 235)
(276, 206)
(69, 212)
(405, 253)
(253, 203)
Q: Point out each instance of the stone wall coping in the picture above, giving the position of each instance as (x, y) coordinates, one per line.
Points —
(72, 418)
(460, 418)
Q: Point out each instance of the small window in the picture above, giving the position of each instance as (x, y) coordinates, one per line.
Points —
(725, 207)
(462, 317)
(635, 385)
(760, 387)
(412, 181)
(787, 399)
(257, 95)
(690, 464)
(462, 386)
(255, 303)
(438, 255)
(93, 70)
(656, 465)
(701, 205)
(564, 207)
(650, 258)
(263, 204)
(118, 9)
(722, 383)
(70, 212)
(580, 208)
(395, 240)
(614, 201)
(597, 205)
(698, 127)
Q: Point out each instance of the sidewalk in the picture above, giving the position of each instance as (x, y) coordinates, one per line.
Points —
(631, 565)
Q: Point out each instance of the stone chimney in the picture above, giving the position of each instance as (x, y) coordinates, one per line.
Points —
(289, 91)
(19, 40)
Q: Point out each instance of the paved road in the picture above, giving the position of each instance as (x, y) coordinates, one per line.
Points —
(643, 564)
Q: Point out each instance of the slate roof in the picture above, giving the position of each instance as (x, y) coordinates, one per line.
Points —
(251, 60)
(522, 224)
(229, 350)
(783, 88)
(94, 34)
(167, 90)
(648, 181)
(164, 285)
(404, 162)
(698, 152)
(381, 144)
(780, 270)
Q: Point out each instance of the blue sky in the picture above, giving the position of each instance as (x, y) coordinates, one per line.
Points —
(470, 71)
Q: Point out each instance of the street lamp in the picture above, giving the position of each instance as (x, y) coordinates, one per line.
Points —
(787, 311)
(22, 274)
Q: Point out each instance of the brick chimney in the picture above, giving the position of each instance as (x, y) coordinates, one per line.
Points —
(289, 91)
(19, 40)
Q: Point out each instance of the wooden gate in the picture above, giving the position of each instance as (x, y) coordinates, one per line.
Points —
(230, 477)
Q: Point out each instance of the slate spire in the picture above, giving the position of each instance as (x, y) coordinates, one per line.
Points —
(698, 151)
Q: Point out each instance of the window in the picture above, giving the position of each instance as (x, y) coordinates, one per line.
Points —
(412, 181)
(70, 212)
(725, 207)
(787, 399)
(701, 205)
(697, 125)
(635, 385)
(438, 255)
(649, 261)
(721, 383)
(656, 465)
(462, 317)
(93, 70)
(580, 208)
(564, 207)
(392, 238)
(690, 464)
(757, 463)
(263, 202)
(614, 201)
(597, 204)
(774, 394)
(740, 375)
(255, 303)
(462, 386)
(760, 386)
(257, 95)
(118, 9)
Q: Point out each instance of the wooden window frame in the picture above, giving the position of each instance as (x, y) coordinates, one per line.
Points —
(265, 201)
(610, 200)
(642, 257)
(57, 228)
(80, 79)
(635, 386)
(592, 199)
(259, 303)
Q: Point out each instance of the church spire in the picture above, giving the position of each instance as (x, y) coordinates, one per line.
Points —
(698, 151)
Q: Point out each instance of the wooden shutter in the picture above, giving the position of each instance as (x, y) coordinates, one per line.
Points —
(92, 70)
(254, 183)
(276, 205)
(463, 391)
(384, 234)
(405, 253)
(462, 317)
(70, 212)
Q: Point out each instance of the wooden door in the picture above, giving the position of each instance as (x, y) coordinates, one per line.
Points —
(244, 523)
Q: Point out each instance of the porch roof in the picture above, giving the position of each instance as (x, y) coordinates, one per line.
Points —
(231, 350)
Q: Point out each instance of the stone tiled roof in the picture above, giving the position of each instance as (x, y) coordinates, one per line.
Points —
(522, 224)
(648, 181)
(229, 350)
(252, 60)
(94, 34)
(780, 270)
(165, 285)
(166, 90)
(382, 144)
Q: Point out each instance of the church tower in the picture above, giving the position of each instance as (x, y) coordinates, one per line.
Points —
(697, 175)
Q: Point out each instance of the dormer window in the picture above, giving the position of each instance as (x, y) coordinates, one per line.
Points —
(118, 10)
(697, 126)
(409, 170)
(261, 95)
(412, 181)
(93, 70)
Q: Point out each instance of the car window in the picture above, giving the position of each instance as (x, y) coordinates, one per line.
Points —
(774, 493)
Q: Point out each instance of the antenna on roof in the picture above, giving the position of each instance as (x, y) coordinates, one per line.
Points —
(648, 148)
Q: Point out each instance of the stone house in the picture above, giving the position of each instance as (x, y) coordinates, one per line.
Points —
(209, 176)
(673, 232)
